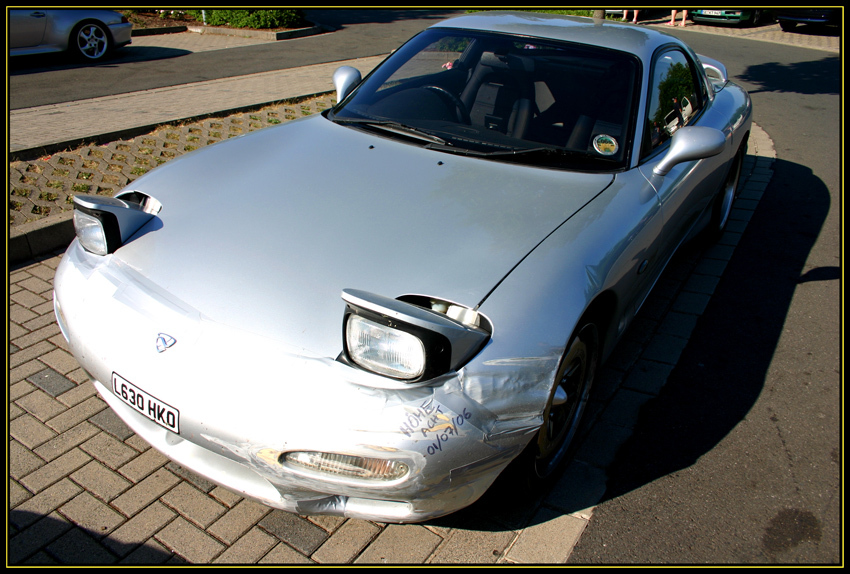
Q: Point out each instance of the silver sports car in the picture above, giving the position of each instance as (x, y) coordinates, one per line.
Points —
(373, 311)
(87, 34)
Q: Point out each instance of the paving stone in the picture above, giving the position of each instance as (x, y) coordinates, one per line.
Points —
(665, 349)
(648, 377)
(283, 554)
(54, 471)
(21, 372)
(20, 315)
(472, 547)
(41, 405)
(78, 394)
(625, 408)
(90, 513)
(578, 490)
(198, 482)
(27, 299)
(36, 336)
(401, 544)
(35, 284)
(32, 352)
(346, 542)
(21, 460)
(190, 542)
(149, 553)
(15, 411)
(238, 520)
(110, 451)
(76, 414)
(327, 522)
(248, 549)
(79, 548)
(548, 540)
(145, 492)
(43, 503)
(225, 496)
(29, 431)
(17, 495)
(110, 422)
(143, 465)
(299, 533)
(60, 360)
(64, 442)
(51, 382)
(38, 322)
(36, 537)
(139, 529)
(101, 481)
(193, 504)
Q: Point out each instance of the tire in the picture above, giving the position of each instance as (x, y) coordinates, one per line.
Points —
(90, 41)
(555, 441)
(726, 197)
(787, 25)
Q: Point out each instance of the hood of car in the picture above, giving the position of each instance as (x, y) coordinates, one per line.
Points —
(264, 231)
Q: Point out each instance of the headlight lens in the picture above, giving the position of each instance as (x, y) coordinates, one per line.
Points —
(384, 350)
(90, 232)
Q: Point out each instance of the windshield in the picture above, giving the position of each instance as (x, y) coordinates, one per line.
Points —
(502, 97)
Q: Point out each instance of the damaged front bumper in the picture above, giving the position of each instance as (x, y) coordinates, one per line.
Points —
(241, 403)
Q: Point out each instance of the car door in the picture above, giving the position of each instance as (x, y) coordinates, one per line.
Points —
(26, 28)
(677, 99)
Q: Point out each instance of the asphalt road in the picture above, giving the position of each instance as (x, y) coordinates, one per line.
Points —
(37, 81)
(739, 458)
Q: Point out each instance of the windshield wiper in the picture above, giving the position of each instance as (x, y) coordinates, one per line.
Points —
(542, 151)
(394, 127)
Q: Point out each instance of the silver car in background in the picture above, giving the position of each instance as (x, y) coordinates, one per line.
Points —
(88, 34)
(372, 312)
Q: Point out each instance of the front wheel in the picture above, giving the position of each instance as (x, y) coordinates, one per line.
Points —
(566, 404)
(90, 41)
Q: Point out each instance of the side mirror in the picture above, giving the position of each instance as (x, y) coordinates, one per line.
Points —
(345, 79)
(690, 143)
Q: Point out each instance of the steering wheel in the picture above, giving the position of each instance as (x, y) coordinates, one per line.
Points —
(462, 112)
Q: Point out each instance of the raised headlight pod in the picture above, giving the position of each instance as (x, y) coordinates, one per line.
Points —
(103, 224)
(342, 465)
(405, 340)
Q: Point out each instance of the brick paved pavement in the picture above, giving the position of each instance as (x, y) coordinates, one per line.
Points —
(83, 489)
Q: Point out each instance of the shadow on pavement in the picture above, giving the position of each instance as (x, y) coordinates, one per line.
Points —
(46, 540)
(815, 77)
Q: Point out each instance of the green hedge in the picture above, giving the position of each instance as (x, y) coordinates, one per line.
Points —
(263, 19)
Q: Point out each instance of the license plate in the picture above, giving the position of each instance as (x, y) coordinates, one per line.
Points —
(713, 12)
(159, 412)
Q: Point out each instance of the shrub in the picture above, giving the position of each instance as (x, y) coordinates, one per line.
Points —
(262, 19)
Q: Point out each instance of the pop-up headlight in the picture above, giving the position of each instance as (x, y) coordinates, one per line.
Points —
(103, 224)
(384, 349)
(405, 340)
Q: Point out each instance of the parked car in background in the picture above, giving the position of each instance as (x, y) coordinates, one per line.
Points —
(732, 17)
(88, 34)
(372, 312)
(790, 17)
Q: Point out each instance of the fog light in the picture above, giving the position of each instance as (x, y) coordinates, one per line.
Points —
(342, 465)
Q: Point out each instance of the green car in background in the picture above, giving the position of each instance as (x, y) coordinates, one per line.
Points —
(733, 17)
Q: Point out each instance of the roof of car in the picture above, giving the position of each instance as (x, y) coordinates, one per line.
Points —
(637, 40)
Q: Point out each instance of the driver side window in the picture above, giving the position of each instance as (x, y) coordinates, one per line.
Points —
(673, 99)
